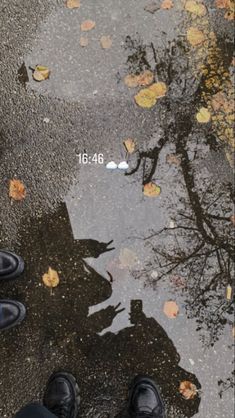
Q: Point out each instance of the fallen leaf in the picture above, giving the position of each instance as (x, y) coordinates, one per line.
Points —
(17, 190)
(51, 278)
(229, 15)
(152, 190)
(195, 8)
(203, 116)
(188, 389)
(159, 89)
(171, 309)
(173, 159)
(152, 7)
(222, 4)
(87, 25)
(127, 257)
(131, 80)
(229, 292)
(41, 73)
(167, 4)
(73, 4)
(218, 100)
(145, 78)
(146, 98)
(195, 36)
(232, 219)
(106, 42)
(84, 41)
(129, 145)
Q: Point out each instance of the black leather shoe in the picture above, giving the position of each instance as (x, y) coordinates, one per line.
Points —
(62, 395)
(11, 313)
(11, 265)
(144, 399)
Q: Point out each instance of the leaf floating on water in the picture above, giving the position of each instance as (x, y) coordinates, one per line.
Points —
(84, 41)
(171, 309)
(87, 25)
(145, 78)
(195, 36)
(129, 145)
(146, 98)
(51, 278)
(195, 8)
(229, 291)
(152, 7)
(159, 89)
(17, 190)
(73, 4)
(188, 389)
(203, 116)
(167, 4)
(152, 190)
(41, 73)
(106, 42)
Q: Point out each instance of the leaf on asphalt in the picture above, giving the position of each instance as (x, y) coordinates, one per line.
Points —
(203, 116)
(195, 8)
(41, 73)
(145, 78)
(127, 257)
(173, 159)
(87, 25)
(159, 89)
(146, 98)
(218, 100)
(152, 7)
(171, 309)
(195, 36)
(229, 15)
(222, 4)
(73, 4)
(131, 80)
(129, 145)
(17, 190)
(84, 41)
(152, 190)
(188, 390)
(106, 42)
(51, 278)
(167, 4)
(229, 291)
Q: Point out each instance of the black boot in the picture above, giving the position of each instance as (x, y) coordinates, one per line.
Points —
(11, 313)
(144, 399)
(11, 265)
(62, 395)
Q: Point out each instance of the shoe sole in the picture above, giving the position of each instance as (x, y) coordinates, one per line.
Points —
(144, 379)
(21, 316)
(18, 271)
(74, 385)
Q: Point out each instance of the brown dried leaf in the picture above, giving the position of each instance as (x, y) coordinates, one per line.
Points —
(218, 100)
(106, 42)
(152, 190)
(188, 389)
(17, 190)
(222, 4)
(51, 278)
(167, 4)
(145, 78)
(73, 4)
(87, 25)
(41, 73)
(171, 309)
(84, 41)
(131, 80)
(129, 145)
(229, 15)
(195, 36)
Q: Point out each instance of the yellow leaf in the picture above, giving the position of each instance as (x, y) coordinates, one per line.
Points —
(229, 292)
(73, 4)
(51, 278)
(188, 389)
(129, 145)
(167, 4)
(145, 78)
(171, 309)
(84, 41)
(146, 98)
(195, 8)
(195, 36)
(106, 42)
(152, 190)
(17, 190)
(203, 116)
(131, 80)
(159, 89)
(41, 73)
(87, 25)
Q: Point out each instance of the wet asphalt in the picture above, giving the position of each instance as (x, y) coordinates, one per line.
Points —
(120, 255)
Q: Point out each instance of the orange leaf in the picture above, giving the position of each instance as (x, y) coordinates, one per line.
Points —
(129, 145)
(188, 389)
(87, 25)
(145, 78)
(171, 309)
(222, 4)
(151, 190)
(17, 190)
(51, 278)
(73, 4)
(167, 4)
